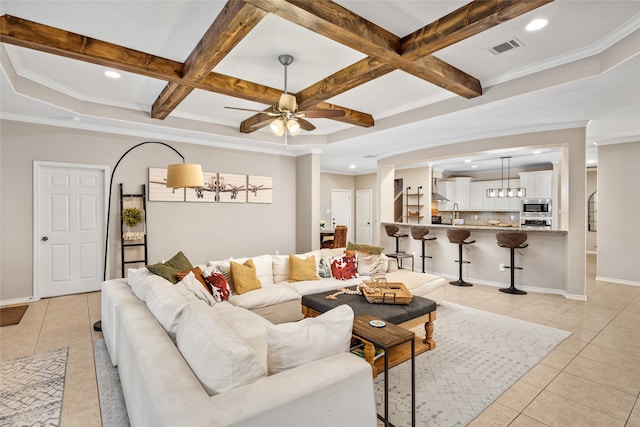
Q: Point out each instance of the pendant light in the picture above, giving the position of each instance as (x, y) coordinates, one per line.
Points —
(504, 192)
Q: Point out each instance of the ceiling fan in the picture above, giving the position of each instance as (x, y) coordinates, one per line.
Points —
(284, 116)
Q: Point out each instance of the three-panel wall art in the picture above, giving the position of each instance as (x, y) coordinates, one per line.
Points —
(218, 187)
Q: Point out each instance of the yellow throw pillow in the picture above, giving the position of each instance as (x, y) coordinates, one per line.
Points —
(244, 277)
(302, 268)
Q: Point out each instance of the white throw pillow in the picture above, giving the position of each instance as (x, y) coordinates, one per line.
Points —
(193, 285)
(136, 277)
(216, 354)
(166, 303)
(298, 343)
(280, 268)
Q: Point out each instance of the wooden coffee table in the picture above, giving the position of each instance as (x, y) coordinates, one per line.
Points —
(419, 311)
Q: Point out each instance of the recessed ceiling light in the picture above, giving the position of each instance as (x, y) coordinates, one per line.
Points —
(467, 161)
(537, 152)
(536, 24)
(352, 166)
(112, 74)
(474, 166)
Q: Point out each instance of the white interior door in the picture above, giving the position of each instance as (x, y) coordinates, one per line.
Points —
(341, 207)
(69, 218)
(364, 228)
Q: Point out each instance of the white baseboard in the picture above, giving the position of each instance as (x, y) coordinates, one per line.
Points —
(532, 289)
(16, 301)
(618, 281)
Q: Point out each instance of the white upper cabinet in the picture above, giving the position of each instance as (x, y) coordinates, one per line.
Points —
(457, 191)
(538, 184)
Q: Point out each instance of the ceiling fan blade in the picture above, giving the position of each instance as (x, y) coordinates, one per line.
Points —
(269, 113)
(306, 125)
(318, 114)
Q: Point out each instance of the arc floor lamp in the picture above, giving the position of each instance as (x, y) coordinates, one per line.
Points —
(180, 175)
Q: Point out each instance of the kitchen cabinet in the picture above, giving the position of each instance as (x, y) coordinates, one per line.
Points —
(457, 191)
(538, 184)
(478, 200)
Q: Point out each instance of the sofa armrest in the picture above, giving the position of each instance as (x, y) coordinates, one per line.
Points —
(114, 292)
(334, 391)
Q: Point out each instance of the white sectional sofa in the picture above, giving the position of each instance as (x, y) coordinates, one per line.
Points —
(165, 340)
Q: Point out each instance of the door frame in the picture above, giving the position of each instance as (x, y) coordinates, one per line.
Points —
(37, 166)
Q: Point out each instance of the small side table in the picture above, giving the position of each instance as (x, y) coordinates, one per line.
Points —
(400, 256)
(386, 338)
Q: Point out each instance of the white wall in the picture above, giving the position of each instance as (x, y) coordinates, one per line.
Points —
(204, 231)
(619, 213)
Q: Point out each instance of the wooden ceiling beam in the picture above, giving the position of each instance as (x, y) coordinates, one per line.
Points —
(43, 38)
(233, 23)
(339, 24)
(469, 20)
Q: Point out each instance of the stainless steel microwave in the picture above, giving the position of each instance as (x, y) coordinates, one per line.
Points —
(536, 208)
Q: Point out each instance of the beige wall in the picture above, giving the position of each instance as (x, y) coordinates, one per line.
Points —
(333, 181)
(307, 203)
(618, 213)
(414, 178)
(204, 231)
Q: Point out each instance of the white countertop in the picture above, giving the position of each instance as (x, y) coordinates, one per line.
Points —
(484, 227)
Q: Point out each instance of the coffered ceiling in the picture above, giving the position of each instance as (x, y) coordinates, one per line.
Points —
(408, 74)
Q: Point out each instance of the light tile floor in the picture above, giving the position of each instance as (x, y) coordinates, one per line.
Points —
(591, 379)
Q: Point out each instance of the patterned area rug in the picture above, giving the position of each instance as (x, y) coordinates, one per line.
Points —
(479, 355)
(112, 405)
(31, 389)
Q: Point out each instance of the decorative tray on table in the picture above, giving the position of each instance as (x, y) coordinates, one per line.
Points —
(382, 292)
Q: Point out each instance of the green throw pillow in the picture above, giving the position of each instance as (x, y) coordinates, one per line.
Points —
(170, 269)
(374, 250)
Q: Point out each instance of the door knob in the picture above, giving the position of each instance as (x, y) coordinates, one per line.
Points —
(45, 238)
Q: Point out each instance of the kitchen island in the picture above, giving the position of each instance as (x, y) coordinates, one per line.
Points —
(542, 262)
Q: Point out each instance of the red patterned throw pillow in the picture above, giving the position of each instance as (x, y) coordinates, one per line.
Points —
(344, 267)
(219, 285)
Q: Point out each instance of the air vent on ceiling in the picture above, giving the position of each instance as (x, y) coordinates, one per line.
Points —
(503, 47)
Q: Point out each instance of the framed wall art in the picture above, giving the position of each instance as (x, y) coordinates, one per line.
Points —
(158, 191)
(207, 193)
(232, 188)
(259, 189)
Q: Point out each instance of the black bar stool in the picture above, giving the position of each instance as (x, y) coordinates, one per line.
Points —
(420, 233)
(458, 236)
(393, 231)
(512, 240)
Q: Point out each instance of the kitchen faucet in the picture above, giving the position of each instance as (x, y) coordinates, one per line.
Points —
(453, 214)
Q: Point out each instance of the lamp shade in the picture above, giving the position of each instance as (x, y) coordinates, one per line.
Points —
(277, 126)
(184, 176)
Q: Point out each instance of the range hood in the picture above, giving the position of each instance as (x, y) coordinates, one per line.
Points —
(435, 196)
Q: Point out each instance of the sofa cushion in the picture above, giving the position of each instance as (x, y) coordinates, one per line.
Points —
(169, 270)
(298, 343)
(344, 267)
(244, 277)
(323, 285)
(166, 303)
(193, 285)
(216, 354)
(266, 296)
(302, 268)
(137, 278)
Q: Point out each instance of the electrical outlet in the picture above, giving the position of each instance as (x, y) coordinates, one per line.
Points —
(501, 267)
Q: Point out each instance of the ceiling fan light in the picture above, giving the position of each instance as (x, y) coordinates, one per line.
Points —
(287, 102)
(277, 126)
(293, 127)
